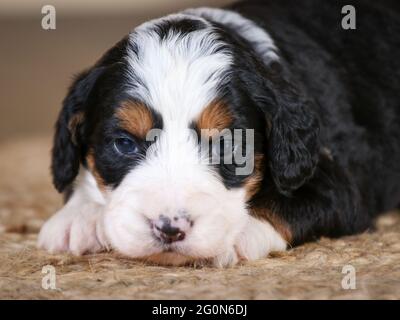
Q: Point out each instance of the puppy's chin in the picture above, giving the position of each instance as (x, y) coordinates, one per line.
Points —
(170, 258)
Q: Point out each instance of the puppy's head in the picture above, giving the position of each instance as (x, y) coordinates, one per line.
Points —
(179, 123)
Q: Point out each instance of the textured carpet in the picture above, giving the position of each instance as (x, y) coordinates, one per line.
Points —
(311, 271)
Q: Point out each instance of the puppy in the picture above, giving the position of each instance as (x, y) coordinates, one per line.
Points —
(313, 109)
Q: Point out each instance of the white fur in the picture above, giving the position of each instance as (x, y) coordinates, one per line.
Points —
(179, 77)
(258, 239)
(78, 226)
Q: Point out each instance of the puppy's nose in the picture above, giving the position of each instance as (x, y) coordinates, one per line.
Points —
(168, 231)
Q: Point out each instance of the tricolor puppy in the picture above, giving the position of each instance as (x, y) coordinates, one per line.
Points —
(317, 109)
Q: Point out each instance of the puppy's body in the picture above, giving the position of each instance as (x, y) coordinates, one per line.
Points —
(322, 102)
(353, 76)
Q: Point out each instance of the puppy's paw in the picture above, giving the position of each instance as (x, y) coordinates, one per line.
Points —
(257, 240)
(227, 259)
(75, 230)
(54, 234)
(86, 234)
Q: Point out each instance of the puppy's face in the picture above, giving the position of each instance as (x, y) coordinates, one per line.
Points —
(173, 125)
(166, 141)
(165, 193)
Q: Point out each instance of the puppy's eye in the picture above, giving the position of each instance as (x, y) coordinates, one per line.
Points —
(125, 146)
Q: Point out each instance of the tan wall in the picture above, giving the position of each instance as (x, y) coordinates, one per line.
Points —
(36, 65)
(100, 7)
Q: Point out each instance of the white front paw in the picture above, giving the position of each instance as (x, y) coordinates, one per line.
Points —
(227, 259)
(257, 240)
(77, 230)
(54, 234)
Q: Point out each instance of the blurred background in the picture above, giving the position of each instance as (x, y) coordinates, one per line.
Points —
(37, 65)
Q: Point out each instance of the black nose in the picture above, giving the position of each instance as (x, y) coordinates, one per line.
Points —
(167, 233)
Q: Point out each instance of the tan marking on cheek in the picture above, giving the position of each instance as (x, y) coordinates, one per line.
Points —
(135, 118)
(92, 168)
(215, 116)
(253, 182)
(277, 222)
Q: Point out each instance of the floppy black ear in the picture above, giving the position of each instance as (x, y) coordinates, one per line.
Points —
(293, 129)
(68, 143)
(293, 141)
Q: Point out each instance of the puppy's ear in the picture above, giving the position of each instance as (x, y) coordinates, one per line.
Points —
(292, 133)
(68, 144)
(294, 143)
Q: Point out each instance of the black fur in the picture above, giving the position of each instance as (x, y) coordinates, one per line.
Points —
(338, 111)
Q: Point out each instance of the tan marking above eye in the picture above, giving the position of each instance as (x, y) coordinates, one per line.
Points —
(215, 116)
(135, 118)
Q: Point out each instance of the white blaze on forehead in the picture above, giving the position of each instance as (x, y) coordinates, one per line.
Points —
(178, 75)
